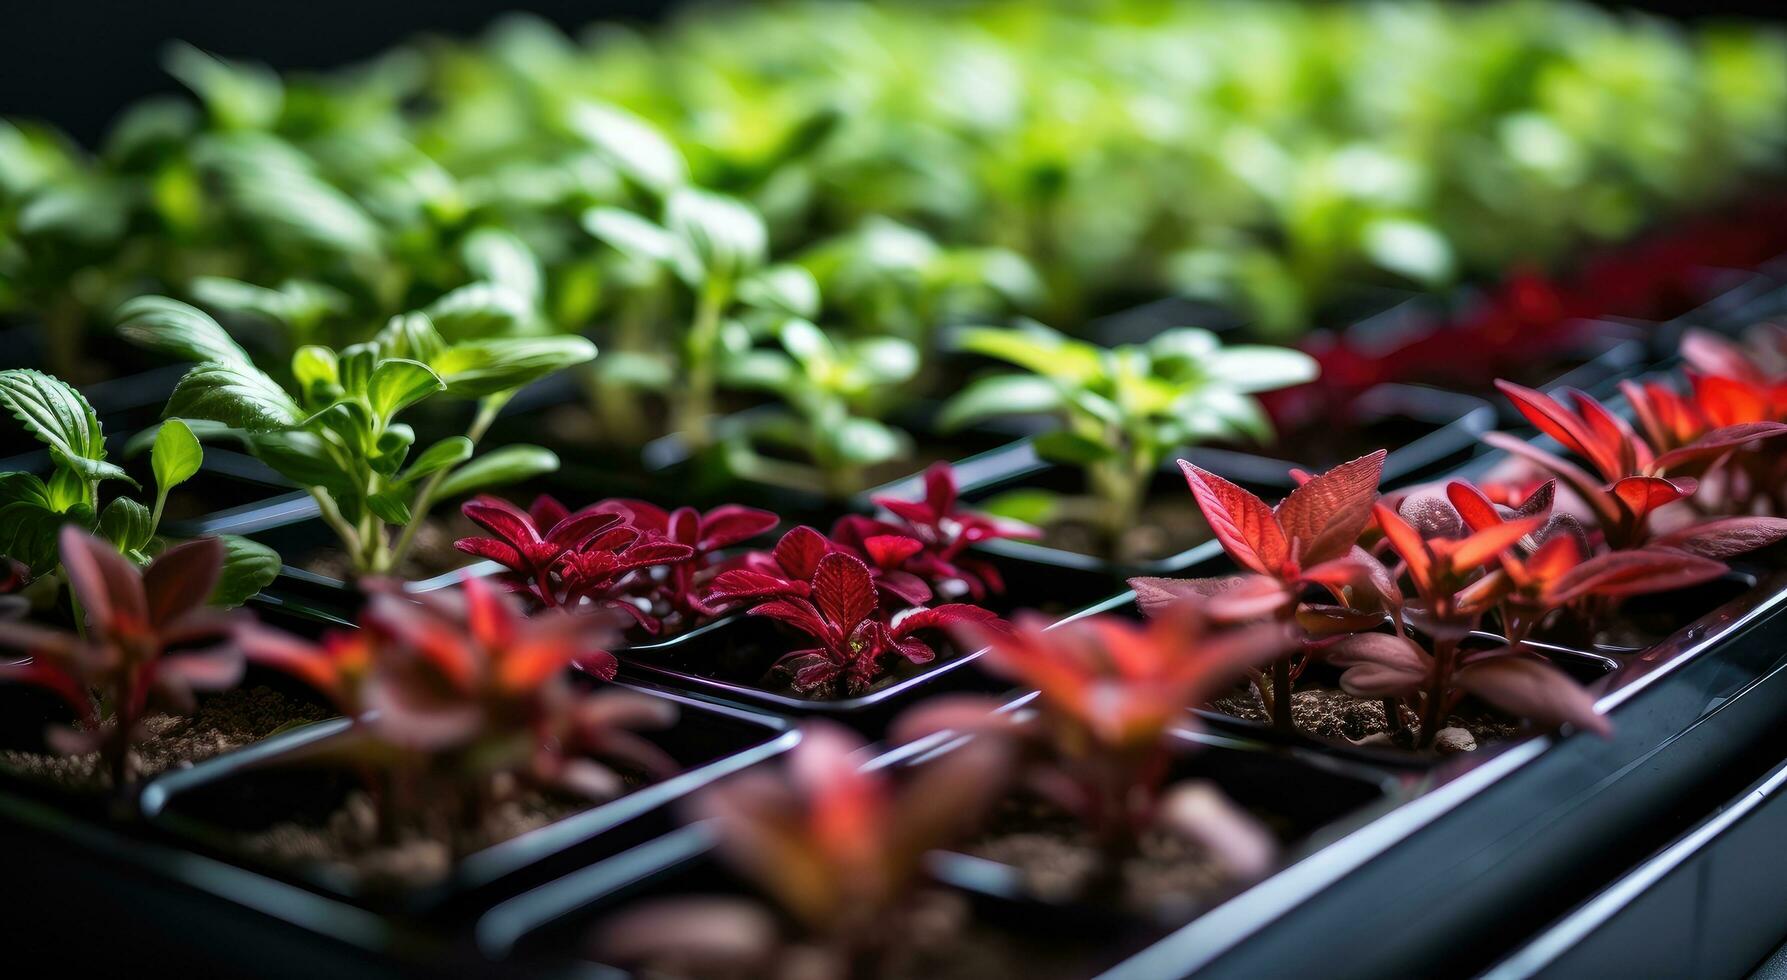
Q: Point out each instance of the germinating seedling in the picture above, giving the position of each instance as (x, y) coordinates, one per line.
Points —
(33, 510)
(333, 427)
(1123, 410)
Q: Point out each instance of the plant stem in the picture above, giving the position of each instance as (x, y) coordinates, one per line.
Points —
(488, 409)
(1118, 487)
(695, 406)
(1445, 650)
(350, 538)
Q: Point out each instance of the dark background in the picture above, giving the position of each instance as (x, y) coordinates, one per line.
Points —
(75, 63)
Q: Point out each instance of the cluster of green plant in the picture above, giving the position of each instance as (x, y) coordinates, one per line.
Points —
(34, 508)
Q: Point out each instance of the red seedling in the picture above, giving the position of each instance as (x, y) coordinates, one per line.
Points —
(1635, 480)
(149, 642)
(1110, 693)
(457, 692)
(842, 609)
(1308, 539)
(945, 531)
(840, 848)
(568, 560)
(676, 591)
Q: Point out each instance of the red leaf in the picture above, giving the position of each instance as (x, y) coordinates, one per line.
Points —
(940, 489)
(1720, 441)
(1591, 490)
(501, 518)
(743, 583)
(490, 549)
(891, 550)
(1406, 543)
(1533, 690)
(800, 614)
(546, 511)
(1634, 572)
(1326, 515)
(843, 591)
(1247, 528)
(1485, 545)
(906, 586)
(799, 551)
(1561, 424)
(1723, 537)
(1476, 509)
(728, 525)
(1378, 665)
(1642, 494)
(1154, 594)
(109, 587)
(181, 578)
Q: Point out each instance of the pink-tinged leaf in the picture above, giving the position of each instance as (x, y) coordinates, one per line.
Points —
(1486, 545)
(1723, 537)
(891, 550)
(706, 935)
(487, 618)
(290, 655)
(491, 549)
(1155, 594)
(501, 518)
(1538, 503)
(915, 650)
(1432, 516)
(1383, 649)
(798, 613)
(181, 578)
(1247, 528)
(1362, 575)
(1640, 495)
(730, 524)
(546, 511)
(1720, 441)
(108, 585)
(598, 663)
(946, 616)
(940, 488)
(810, 670)
(1250, 598)
(961, 713)
(1712, 354)
(1615, 442)
(799, 551)
(908, 587)
(1634, 572)
(1406, 543)
(1591, 490)
(843, 591)
(1325, 516)
(577, 530)
(1730, 402)
(743, 583)
(1558, 422)
(1533, 690)
(216, 670)
(408, 716)
(1477, 510)
(917, 513)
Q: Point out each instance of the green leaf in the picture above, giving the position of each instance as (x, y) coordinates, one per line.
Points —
(637, 369)
(887, 360)
(1030, 506)
(238, 395)
(238, 95)
(498, 257)
(176, 455)
(297, 302)
(16, 487)
(178, 330)
(1250, 368)
(866, 442)
(60, 418)
(28, 531)
(412, 335)
(1409, 248)
(763, 370)
(304, 458)
(1072, 448)
(1038, 349)
(448, 452)
(787, 289)
(480, 309)
(510, 464)
(633, 236)
(389, 507)
(316, 369)
(398, 383)
(248, 567)
(725, 236)
(633, 146)
(126, 524)
(1000, 395)
(479, 368)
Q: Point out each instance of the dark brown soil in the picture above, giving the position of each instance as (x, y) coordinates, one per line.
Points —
(1168, 525)
(348, 840)
(432, 553)
(1059, 859)
(1330, 713)
(223, 723)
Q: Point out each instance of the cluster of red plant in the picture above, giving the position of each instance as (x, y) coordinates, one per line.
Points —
(862, 594)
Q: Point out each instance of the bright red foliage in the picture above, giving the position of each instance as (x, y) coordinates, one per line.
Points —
(150, 642)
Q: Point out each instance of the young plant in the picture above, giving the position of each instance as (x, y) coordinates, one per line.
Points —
(676, 591)
(833, 391)
(145, 641)
(1443, 558)
(1098, 740)
(1121, 411)
(33, 510)
(839, 606)
(1309, 539)
(457, 695)
(1561, 570)
(334, 428)
(839, 847)
(944, 532)
(716, 248)
(1635, 479)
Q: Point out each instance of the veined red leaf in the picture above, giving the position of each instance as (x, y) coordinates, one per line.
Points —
(1247, 528)
(1325, 516)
